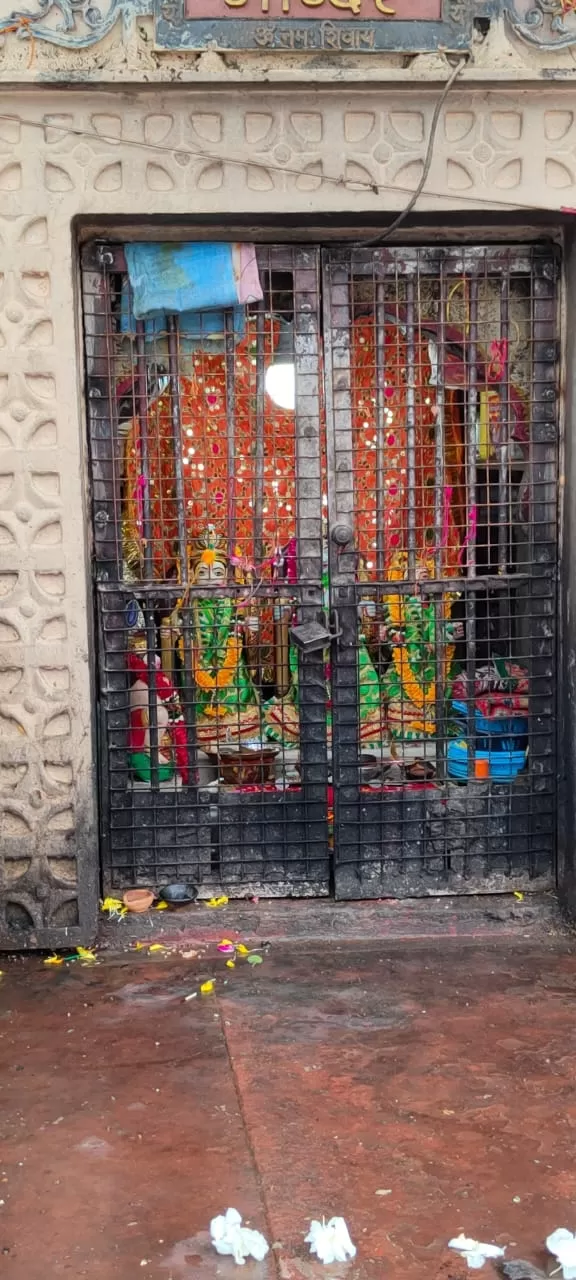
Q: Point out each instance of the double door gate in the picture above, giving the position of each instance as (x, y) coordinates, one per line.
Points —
(325, 562)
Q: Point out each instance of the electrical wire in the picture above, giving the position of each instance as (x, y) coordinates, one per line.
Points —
(374, 187)
(379, 239)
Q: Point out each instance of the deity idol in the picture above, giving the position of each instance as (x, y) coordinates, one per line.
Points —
(226, 701)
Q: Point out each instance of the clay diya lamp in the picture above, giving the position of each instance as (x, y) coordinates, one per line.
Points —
(138, 900)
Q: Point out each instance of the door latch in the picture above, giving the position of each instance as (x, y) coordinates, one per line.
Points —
(309, 637)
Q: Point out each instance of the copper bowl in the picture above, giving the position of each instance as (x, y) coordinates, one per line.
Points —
(245, 765)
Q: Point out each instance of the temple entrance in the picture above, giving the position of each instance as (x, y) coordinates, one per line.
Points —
(324, 495)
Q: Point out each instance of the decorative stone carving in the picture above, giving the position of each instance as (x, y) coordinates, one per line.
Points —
(80, 25)
(43, 808)
(73, 24)
(545, 24)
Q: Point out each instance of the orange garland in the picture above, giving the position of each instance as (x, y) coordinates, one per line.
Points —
(395, 605)
(223, 677)
(415, 692)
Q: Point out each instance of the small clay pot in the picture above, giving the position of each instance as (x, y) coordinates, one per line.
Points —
(138, 899)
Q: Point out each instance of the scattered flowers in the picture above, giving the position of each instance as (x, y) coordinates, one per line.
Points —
(114, 907)
(234, 950)
(81, 953)
(230, 1239)
(474, 1252)
(562, 1244)
(330, 1241)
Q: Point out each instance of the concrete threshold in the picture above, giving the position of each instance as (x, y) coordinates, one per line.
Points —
(321, 920)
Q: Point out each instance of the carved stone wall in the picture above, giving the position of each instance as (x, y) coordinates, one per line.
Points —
(63, 155)
(360, 151)
(47, 835)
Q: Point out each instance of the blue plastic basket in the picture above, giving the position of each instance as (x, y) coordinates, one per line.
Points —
(507, 733)
(504, 765)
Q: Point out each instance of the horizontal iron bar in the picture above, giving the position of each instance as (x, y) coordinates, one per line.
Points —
(176, 592)
(427, 261)
(434, 586)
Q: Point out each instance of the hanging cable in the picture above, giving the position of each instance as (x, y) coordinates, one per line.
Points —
(385, 235)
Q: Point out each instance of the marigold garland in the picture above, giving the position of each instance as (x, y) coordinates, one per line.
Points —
(410, 683)
(395, 605)
(224, 675)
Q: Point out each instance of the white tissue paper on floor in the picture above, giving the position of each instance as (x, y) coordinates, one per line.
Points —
(330, 1241)
(562, 1244)
(474, 1251)
(231, 1239)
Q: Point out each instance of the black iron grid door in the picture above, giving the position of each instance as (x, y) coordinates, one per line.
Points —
(442, 415)
(205, 458)
(325, 560)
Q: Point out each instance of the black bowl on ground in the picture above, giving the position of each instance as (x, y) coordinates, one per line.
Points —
(178, 895)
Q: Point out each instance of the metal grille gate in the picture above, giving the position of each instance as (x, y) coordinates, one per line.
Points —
(326, 638)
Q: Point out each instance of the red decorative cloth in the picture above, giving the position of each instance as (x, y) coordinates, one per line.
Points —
(213, 497)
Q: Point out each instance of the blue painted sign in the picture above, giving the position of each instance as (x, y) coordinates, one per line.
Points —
(359, 26)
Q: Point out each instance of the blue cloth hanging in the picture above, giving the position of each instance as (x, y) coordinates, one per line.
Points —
(196, 328)
(180, 277)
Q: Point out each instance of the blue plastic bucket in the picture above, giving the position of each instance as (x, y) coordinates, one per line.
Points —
(514, 729)
(504, 765)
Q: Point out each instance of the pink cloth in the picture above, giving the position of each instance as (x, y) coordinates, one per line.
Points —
(246, 273)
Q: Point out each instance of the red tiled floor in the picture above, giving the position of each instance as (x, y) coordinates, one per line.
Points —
(439, 1072)
(120, 1127)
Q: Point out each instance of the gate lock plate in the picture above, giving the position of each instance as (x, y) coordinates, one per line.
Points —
(311, 636)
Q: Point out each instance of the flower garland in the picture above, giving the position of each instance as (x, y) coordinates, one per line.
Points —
(395, 605)
(223, 678)
(416, 693)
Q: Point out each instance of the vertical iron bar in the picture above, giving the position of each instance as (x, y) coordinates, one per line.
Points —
(380, 430)
(504, 458)
(338, 282)
(259, 442)
(112, 674)
(439, 493)
(174, 370)
(439, 522)
(142, 409)
(188, 675)
(308, 444)
(471, 521)
(411, 428)
(543, 656)
(231, 432)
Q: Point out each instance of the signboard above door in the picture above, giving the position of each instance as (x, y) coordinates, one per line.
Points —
(330, 26)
